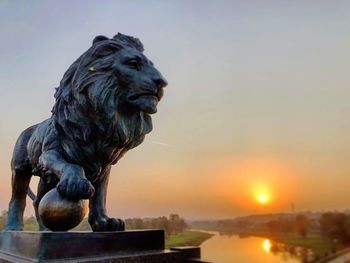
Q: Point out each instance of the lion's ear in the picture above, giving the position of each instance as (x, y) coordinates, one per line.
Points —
(99, 38)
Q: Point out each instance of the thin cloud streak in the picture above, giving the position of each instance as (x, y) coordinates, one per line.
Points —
(161, 143)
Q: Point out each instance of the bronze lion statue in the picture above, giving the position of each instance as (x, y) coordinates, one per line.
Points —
(102, 110)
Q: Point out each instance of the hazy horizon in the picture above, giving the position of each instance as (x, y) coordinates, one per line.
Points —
(257, 101)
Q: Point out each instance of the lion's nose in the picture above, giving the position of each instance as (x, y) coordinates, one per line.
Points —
(160, 82)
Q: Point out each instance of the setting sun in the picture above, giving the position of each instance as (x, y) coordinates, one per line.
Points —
(262, 198)
(262, 193)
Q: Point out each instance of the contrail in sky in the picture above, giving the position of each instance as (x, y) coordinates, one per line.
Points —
(161, 143)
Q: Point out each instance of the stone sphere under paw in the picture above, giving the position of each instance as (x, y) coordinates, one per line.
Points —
(60, 214)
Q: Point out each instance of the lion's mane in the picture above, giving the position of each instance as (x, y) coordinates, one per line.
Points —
(88, 112)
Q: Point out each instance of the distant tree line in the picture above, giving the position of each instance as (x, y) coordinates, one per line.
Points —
(30, 223)
(171, 225)
(3, 217)
(284, 223)
(336, 226)
(299, 224)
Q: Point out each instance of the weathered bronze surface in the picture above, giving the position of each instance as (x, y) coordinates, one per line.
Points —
(102, 110)
(61, 214)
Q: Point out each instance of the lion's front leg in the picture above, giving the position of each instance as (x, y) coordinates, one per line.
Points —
(98, 219)
(73, 183)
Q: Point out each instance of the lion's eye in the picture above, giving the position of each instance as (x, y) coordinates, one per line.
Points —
(133, 63)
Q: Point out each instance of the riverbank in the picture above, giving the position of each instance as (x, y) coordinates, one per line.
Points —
(319, 245)
(187, 238)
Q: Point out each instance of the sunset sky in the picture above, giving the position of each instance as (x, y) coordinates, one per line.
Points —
(257, 101)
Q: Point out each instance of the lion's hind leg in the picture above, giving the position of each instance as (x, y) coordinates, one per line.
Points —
(20, 184)
(21, 175)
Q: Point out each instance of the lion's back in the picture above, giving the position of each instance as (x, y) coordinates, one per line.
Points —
(43, 138)
(20, 159)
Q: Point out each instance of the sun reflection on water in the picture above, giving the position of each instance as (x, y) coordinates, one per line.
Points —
(266, 245)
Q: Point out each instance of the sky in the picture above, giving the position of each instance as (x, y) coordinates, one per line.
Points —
(257, 101)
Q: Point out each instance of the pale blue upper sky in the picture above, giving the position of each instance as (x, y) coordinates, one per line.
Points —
(247, 80)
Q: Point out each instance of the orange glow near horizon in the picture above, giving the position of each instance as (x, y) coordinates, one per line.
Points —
(257, 184)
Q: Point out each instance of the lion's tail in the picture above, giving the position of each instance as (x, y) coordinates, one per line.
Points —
(31, 194)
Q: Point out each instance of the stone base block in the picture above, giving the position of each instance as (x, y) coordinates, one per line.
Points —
(111, 247)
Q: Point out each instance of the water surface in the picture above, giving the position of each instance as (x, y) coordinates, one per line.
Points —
(232, 248)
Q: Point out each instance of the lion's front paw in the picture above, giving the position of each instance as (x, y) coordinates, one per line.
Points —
(104, 223)
(74, 187)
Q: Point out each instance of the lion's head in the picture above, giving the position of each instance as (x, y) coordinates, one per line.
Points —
(113, 78)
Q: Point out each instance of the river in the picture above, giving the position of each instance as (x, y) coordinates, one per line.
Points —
(232, 248)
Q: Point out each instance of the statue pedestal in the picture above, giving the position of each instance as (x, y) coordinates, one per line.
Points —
(116, 247)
